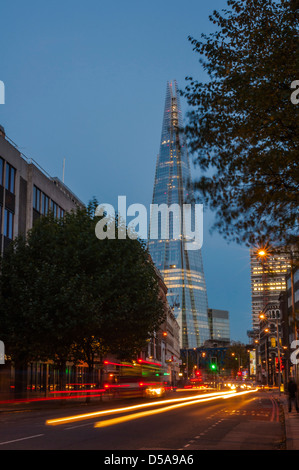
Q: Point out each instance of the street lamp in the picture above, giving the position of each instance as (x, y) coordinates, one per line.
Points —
(238, 358)
(262, 253)
(265, 332)
(278, 356)
(262, 316)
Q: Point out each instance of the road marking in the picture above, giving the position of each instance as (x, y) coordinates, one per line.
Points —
(21, 439)
(79, 426)
(275, 410)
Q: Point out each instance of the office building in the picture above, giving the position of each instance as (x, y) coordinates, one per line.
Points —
(27, 192)
(268, 280)
(181, 268)
(219, 325)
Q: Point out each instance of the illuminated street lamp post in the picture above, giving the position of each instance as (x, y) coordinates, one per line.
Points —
(238, 359)
(258, 346)
(278, 357)
(262, 254)
(266, 330)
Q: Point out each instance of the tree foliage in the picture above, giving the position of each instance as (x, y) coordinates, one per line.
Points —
(243, 129)
(236, 357)
(65, 295)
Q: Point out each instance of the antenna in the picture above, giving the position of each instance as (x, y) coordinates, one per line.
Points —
(63, 170)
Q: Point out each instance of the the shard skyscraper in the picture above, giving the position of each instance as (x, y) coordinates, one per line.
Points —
(182, 269)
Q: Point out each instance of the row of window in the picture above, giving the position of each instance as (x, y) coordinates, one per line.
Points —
(7, 179)
(7, 176)
(43, 204)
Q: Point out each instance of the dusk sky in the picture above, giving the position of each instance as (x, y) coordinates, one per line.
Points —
(86, 82)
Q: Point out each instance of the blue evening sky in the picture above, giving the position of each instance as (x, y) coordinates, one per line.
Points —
(86, 82)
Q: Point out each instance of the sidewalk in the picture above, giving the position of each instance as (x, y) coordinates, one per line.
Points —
(291, 421)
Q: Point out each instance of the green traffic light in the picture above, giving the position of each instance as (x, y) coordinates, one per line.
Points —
(213, 366)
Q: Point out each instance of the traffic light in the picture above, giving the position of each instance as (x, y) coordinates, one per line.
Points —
(213, 364)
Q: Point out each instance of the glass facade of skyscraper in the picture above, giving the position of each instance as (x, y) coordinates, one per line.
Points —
(219, 325)
(182, 269)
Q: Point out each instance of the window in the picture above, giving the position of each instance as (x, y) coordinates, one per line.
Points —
(8, 224)
(45, 204)
(1, 170)
(10, 178)
(277, 313)
(54, 208)
(36, 198)
(60, 213)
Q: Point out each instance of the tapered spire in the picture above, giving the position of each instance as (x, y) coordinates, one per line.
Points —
(182, 269)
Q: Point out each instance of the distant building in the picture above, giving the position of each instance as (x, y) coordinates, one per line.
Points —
(27, 192)
(267, 281)
(275, 299)
(164, 346)
(293, 301)
(289, 306)
(219, 325)
(270, 339)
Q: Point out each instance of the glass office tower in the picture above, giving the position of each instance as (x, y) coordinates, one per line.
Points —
(181, 268)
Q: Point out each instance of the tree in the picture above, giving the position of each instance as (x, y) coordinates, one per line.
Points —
(65, 295)
(236, 357)
(243, 129)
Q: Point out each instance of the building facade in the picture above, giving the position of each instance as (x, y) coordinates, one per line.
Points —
(164, 346)
(219, 325)
(271, 353)
(268, 280)
(289, 306)
(182, 269)
(26, 193)
(275, 297)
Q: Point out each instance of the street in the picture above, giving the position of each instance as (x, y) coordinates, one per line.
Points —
(239, 422)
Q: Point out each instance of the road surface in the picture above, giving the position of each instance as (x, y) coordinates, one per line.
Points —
(240, 422)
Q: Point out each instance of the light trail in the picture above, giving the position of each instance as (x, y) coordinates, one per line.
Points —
(143, 414)
(74, 418)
